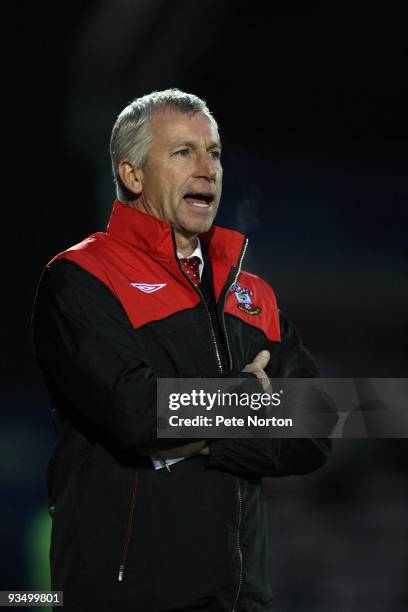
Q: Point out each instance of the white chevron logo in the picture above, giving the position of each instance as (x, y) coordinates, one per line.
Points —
(146, 288)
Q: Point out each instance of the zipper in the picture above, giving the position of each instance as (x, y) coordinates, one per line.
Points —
(238, 270)
(129, 527)
(212, 332)
(210, 323)
(239, 550)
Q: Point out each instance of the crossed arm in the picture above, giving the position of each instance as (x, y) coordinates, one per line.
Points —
(90, 360)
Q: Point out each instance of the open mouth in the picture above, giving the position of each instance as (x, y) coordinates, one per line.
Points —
(199, 200)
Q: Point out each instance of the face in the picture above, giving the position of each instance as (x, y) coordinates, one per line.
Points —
(182, 178)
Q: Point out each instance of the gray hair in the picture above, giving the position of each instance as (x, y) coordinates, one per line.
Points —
(132, 134)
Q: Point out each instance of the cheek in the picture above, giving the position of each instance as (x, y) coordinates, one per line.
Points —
(176, 186)
(171, 180)
(163, 189)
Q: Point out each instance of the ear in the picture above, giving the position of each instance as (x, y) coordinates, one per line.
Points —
(131, 176)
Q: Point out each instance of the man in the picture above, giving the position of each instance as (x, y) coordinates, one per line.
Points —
(141, 523)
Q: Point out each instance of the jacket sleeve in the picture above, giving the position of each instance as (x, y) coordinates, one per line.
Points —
(94, 367)
(254, 458)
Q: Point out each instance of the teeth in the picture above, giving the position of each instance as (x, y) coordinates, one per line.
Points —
(200, 204)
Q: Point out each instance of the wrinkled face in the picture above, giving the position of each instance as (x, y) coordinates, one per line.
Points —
(182, 178)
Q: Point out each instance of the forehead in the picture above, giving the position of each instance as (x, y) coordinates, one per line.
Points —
(171, 127)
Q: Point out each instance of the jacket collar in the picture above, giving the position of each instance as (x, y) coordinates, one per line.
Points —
(155, 237)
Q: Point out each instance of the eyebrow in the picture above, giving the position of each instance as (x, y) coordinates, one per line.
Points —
(188, 143)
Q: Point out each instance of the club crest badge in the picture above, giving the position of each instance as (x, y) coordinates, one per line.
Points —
(244, 299)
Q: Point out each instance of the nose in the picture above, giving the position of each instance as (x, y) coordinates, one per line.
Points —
(207, 166)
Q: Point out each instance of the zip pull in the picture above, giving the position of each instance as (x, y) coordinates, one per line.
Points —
(121, 572)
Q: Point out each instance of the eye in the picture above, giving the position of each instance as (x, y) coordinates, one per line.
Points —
(182, 152)
(215, 154)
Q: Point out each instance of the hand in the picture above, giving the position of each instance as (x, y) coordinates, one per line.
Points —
(258, 366)
(186, 450)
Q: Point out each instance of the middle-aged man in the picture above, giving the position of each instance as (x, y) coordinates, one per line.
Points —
(141, 523)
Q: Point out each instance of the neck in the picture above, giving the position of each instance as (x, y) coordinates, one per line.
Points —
(185, 244)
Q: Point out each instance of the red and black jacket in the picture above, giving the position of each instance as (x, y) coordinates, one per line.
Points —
(112, 314)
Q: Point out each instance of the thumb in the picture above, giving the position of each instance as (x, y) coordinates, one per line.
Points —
(262, 359)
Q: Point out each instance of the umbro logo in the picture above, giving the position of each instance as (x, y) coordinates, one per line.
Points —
(146, 288)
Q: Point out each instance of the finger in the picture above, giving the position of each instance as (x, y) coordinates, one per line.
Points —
(264, 380)
(252, 368)
(262, 359)
(259, 363)
(268, 387)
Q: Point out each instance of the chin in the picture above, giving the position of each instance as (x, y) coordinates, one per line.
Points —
(199, 228)
(193, 228)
